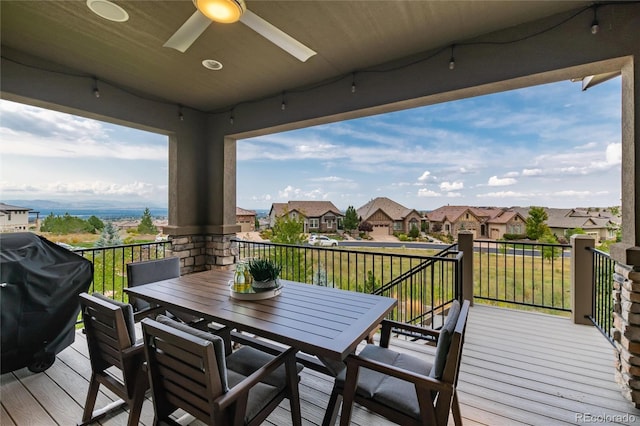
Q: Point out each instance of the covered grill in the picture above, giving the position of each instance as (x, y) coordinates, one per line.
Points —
(38, 299)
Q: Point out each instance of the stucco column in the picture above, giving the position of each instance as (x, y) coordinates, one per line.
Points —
(626, 285)
(465, 245)
(582, 278)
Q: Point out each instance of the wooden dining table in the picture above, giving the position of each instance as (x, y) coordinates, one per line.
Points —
(324, 322)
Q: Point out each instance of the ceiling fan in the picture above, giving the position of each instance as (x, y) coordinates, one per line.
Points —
(229, 11)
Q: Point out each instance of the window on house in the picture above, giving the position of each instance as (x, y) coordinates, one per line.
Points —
(397, 226)
(330, 223)
(466, 216)
(314, 223)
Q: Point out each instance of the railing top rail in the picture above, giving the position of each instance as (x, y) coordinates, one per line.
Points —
(338, 250)
(600, 252)
(523, 243)
(150, 243)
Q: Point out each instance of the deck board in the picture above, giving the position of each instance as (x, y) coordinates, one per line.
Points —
(517, 368)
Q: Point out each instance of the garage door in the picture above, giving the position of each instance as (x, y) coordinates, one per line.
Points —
(380, 230)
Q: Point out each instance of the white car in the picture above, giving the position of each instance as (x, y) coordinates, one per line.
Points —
(322, 240)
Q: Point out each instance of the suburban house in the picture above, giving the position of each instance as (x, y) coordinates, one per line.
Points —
(246, 219)
(13, 218)
(602, 225)
(484, 222)
(388, 217)
(317, 216)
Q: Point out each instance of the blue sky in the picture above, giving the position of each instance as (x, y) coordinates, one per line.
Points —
(550, 145)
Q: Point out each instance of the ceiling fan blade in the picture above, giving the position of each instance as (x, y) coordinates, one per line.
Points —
(276, 36)
(193, 27)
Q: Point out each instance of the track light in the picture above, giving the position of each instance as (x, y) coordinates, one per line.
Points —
(353, 83)
(231, 117)
(180, 115)
(283, 106)
(595, 26)
(452, 60)
(96, 92)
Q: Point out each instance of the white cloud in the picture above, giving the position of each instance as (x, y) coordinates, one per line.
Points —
(291, 193)
(512, 174)
(613, 153)
(85, 188)
(451, 186)
(330, 179)
(424, 192)
(496, 181)
(531, 172)
(503, 194)
(424, 175)
(571, 194)
(454, 195)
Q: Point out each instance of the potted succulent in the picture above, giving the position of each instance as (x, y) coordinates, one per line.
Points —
(265, 273)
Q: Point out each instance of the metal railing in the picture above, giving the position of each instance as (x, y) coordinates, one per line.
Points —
(423, 285)
(522, 273)
(110, 264)
(603, 279)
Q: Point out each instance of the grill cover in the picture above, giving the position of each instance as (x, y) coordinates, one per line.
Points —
(38, 299)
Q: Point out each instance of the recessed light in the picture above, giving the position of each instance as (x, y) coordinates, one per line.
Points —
(108, 10)
(212, 64)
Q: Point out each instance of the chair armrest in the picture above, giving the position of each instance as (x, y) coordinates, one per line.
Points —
(388, 325)
(149, 312)
(244, 386)
(355, 361)
(134, 350)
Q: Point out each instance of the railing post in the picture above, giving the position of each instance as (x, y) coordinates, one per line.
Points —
(582, 278)
(465, 245)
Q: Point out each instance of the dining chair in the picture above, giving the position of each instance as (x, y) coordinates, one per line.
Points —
(188, 370)
(405, 389)
(111, 340)
(148, 271)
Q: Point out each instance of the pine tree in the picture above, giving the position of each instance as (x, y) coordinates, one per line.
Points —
(109, 236)
(350, 221)
(146, 223)
(536, 226)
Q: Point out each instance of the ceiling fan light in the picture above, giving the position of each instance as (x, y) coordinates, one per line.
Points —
(223, 11)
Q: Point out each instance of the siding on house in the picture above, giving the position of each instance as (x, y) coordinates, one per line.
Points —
(388, 217)
(246, 219)
(484, 222)
(14, 218)
(602, 225)
(317, 216)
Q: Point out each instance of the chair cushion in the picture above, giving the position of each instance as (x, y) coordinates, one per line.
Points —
(248, 360)
(218, 345)
(148, 271)
(369, 381)
(259, 395)
(127, 311)
(444, 341)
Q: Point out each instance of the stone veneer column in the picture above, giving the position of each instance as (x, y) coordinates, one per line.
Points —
(200, 253)
(626, 330)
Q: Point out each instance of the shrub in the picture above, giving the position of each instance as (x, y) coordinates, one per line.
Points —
(414, 233)
(515, 236)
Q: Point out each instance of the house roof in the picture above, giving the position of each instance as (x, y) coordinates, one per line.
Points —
(243, 212)
(6, 208)
(393, 210)
(570, 218)
(487, 214)
(306, 208)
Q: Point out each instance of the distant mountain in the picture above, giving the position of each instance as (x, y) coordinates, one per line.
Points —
(80, 204)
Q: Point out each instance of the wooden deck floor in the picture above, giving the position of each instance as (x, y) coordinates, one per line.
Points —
(517, 368)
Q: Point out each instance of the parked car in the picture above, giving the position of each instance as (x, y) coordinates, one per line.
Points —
(322, 240)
